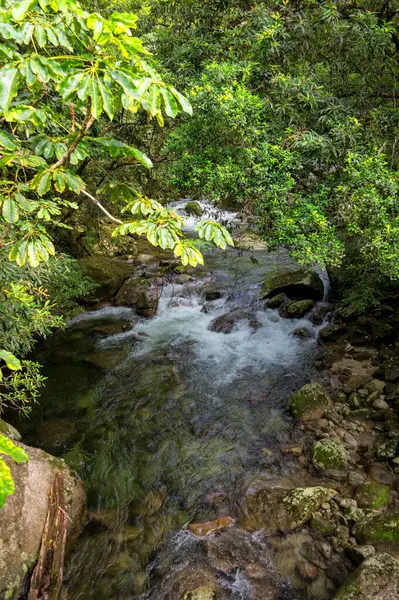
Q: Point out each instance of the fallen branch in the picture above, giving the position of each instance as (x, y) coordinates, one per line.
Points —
(101, 207)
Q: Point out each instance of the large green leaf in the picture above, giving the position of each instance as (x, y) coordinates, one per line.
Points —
(171, 106)
(9, 82)
(70, 85)
(184, 103)
(21, 9)
(96, 99)
(10, 210)
(6, 141)
(11, 361)
(107, 98)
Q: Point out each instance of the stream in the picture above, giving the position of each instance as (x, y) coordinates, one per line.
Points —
(167, 422)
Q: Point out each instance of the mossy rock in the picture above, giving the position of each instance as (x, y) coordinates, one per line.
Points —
(275, 509)
(296, 310)
(377, 578)
(295, 281)
(322, 525)
(310, 402)
(194, 208)
(136, 292)
(372, 495)
(108, 273)
(383, 527)
(330, 457)
(203, 593)
(9, 431)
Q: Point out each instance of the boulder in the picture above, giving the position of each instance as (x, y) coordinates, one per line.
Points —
(295, 310)
(249, 241)
(23, 516)
(372, 495)
(295, 281)
(9, 430)
(377, 578)
(108, 273)
(194, 208)
(276, 509)
(320, 312)
(136, 292)
(225, 323)
(330, 457)
(310, 402)
(349, 375)
(276, 301)
(383, 527)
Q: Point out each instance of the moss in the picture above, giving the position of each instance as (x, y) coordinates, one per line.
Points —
(193, 208)
(9, 431)
(296, 310)
(309, 403)
(302, 503)
(330, 456)
(378, 528)
(372, 495)
(322, 525)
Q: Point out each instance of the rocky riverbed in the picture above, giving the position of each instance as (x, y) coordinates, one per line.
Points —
(238, 439)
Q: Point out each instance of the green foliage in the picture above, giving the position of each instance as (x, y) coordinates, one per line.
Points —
(18, 455)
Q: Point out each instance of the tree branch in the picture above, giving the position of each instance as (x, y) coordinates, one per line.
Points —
(87, 123)
(101, 207)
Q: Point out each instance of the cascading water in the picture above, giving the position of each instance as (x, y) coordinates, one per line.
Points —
(166, 421)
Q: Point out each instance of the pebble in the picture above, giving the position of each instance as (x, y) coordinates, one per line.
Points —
(323, 424)
(362, 393)
(308, 571)
(380, 404)
(293, 450)
(326, 506)
(347, 503)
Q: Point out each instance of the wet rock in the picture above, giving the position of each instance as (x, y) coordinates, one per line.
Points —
(23, 516)
(375, 385)
(276, 301)
(149, 504)
(249, 241)
(194, 208)
(136, 292)
(330, 457)
(350, 375)
(145, 259)
(308, 571)
(211, 527)
(108, 273)
(295, 310)
(376, 578)
(303, 332)
(372, 495)
(274, 509)
(320, 312)
(293, 450)
(331, 332)
(295, 281)
(310, 403)
(225, 323)
(382, 527)
(211, 293)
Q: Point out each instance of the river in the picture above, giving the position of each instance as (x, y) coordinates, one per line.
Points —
(167, 422)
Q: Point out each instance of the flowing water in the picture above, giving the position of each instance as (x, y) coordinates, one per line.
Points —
(166, 422)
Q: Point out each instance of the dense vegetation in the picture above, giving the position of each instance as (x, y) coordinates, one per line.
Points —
(294, 119)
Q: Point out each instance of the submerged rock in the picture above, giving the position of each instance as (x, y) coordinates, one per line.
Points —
(194, 208)
(225, 323)
(276, 301)
(330, 457)
(108, 273)
(211, 527)
(382, 527)
(310, 402)
(296, 282)
(377, 578)
(23, 517)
